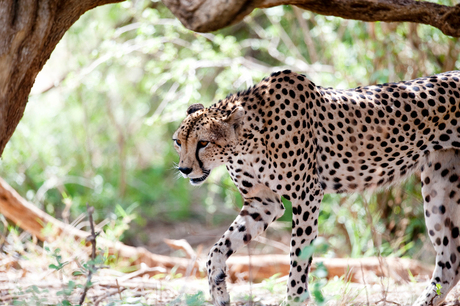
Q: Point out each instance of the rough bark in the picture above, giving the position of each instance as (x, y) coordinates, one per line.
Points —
(211, 15)
(29, 32)
(30, 218)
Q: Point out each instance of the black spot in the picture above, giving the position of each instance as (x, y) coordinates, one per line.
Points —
(256, 216)
(442, 209)
(220, 278)
(444, 172)
(247, 238)
(455, 232)
(444, 137)
(299, 232)
(247, 184)
(297, 251)
(445, 241)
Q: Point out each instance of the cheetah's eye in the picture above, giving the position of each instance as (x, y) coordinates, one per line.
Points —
(177, 141)
(202, 144)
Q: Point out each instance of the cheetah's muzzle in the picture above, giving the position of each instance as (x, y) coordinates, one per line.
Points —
(200, 180)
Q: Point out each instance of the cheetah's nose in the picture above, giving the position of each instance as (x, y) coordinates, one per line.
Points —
(185, 171)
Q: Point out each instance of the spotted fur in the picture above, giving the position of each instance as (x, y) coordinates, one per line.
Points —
(288, 137)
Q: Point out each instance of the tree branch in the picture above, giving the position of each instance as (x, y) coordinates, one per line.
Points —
(211, 15)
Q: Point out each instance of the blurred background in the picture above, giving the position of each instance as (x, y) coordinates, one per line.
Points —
(99, 122)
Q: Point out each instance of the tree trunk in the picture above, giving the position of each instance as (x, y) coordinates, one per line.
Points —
(29, 32)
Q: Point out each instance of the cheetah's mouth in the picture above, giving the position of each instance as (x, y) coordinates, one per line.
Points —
(199, 180)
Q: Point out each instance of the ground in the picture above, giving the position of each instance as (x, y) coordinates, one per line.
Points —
(33, 273)
(114, 288)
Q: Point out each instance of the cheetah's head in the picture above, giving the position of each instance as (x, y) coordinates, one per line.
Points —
(205, 139)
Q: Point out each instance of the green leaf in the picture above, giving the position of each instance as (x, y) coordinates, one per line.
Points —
(195, 299)
(53, 266)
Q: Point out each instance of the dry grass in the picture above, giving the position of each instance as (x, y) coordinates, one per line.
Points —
(56, 273)
(26, 278)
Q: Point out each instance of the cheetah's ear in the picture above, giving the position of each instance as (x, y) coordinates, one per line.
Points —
(236, 117)
(194, 107)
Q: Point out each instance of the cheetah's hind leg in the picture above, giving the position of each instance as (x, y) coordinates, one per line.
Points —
(441, 194)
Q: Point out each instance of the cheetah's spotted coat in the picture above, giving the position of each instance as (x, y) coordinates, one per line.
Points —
(287, 137)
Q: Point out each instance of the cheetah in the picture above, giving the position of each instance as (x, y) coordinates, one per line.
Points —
(287, 137)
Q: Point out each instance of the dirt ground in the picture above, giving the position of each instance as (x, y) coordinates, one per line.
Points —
(33, 273)
(114, 288)
(33, 278)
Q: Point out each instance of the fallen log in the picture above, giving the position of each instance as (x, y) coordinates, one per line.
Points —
(31, 219)
(356, 270)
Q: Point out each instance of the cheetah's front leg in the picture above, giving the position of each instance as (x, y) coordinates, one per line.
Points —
(258, 212)
(304, 230)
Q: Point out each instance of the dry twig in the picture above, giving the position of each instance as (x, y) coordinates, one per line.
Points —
(92, 239)
(181, 244)
(108, 294)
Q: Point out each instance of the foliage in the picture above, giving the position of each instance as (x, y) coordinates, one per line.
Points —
(98, 125)
(56, 254)
(438, 289)
(387, 222)
(189, 299)
(271, 282)
(62, 271)
(34, 293)
(70, 285)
